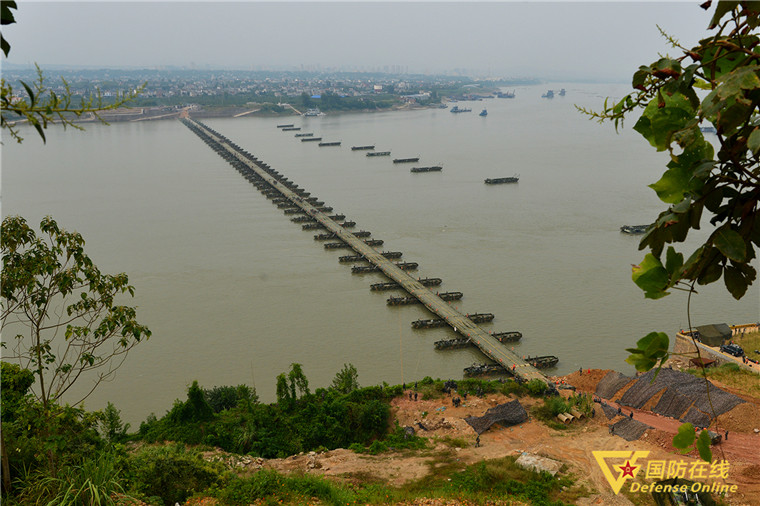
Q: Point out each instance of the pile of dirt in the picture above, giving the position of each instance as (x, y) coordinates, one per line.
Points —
(587, 381)
(743, 418)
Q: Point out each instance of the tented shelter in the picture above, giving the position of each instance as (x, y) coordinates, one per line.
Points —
(714, 335)
(510, 413)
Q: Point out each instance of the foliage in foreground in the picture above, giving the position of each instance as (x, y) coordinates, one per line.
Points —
(726, 184)
(488, 480)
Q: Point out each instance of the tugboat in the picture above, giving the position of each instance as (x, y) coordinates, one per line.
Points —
(548, 94)
(562, 92)
(483, 113)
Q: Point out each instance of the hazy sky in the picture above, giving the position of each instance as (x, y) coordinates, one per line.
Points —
(595, 40)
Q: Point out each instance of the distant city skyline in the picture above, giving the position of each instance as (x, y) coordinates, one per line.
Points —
(562, 40)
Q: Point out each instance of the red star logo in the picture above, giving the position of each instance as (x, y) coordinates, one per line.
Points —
(627, 469)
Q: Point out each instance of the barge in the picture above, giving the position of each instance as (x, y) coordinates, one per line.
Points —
(406, 160)
(379, 153)
(484, 369)
(502, 180)
(434, 168)
(362, 148)
(393, 285)
(543, 362)
(402, 301)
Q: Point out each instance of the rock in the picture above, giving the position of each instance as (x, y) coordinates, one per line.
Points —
(757, 431)
(538, 463)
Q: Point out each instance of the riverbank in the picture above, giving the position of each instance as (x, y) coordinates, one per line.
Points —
(454, 446)
(198, 112)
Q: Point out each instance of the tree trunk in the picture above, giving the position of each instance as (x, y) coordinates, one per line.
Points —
(4, 464)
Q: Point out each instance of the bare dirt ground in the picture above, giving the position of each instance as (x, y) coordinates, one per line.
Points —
(572, 446)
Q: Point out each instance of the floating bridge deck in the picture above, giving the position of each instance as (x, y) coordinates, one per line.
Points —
(251, 167)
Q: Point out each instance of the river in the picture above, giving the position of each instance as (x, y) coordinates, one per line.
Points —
(234, 292)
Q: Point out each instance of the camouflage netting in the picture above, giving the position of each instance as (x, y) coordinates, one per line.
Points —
(611, 384)
(639, 393)
(510, 413)
(684, 385)
(697, 418)
(609, 411)
(629, 429)
(672, 404)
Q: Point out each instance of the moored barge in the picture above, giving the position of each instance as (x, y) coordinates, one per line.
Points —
(391, 285)
(484, 369)
(434, 168)
(406, 160)
(379, 153)
(362, 148)
(542, 362)
(502, 180)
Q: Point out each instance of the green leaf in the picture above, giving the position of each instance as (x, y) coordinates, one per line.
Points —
(651, 277)
(753, 142)
(735, 281)
(723, 8)
(4, 45)
(710, 274)
(730, 243)
(685, 438)
(703, 446)
(650, 348)
(29, 92)
(657, 124)
(673, 261)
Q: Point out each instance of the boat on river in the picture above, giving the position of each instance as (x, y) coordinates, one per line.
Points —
(502, 180)
(379, 153)
(434, 168)
(634, 229)
(484, 369)
(542, 362)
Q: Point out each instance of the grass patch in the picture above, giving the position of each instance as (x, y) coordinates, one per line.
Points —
(733, 376)
(395, 441)
(449, 479)
(455, 442)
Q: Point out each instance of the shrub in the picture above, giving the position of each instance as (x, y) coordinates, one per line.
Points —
(536, 387)
(171, 472)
